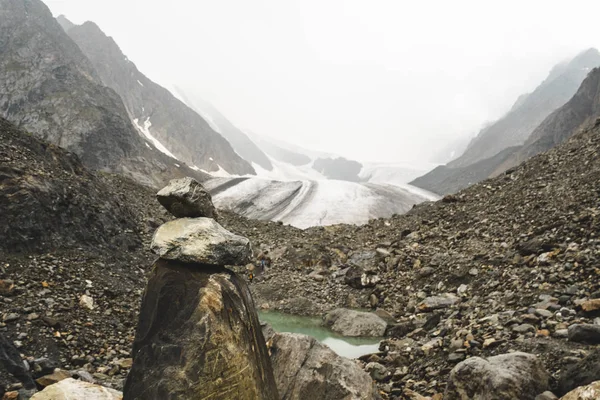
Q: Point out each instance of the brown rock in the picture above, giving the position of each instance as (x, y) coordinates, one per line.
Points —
(55, 377)
(591, 305)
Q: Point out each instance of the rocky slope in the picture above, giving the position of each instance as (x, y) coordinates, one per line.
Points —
(154, 109)
(488, 150)
(50, 88)
(509, 264)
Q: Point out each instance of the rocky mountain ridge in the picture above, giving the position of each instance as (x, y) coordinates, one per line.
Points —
(154, 109)
(50, 88)
(491, 151)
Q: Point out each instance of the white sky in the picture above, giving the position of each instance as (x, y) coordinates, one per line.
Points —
(373, 80)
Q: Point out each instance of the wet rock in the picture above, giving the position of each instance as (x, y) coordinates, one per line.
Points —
(438, 302)
(584, 333)
(589, 392)
(186, 198)
(307, 369)
(355, 323)
(504, 377)
(201, 241)
(70, 388)
(581, 373)
(198, 323)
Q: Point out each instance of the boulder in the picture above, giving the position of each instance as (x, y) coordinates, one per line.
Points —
(307, 369)
(10, 358)
(504, 377)
(186, 198)
(589, 392)
(198, 337)
(584, 333)
(357, 278)
(438, 302)
(55, 377)
(582, 373)
(355, 323)
(200, 241)
(69, 389)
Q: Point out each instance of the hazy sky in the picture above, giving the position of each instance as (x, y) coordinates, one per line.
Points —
(374, 80)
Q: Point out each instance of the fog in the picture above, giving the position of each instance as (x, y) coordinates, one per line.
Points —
(377, 80)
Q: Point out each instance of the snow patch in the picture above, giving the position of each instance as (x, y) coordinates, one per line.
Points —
(148, 146)
(211, 159)
(195, 168)
(145, 130)
(177, 165)
(141, 84)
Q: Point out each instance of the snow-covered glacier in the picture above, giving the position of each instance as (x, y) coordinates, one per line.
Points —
(306, 203)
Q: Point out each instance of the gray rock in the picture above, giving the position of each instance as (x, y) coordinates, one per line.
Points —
(377, 371)
(198, 337)
(438, 302)
(307, 369)
(504, 377)
(186, 198)
(523, 328)
(355, 323)
(547, 395)
(584, 333)
(200, 240)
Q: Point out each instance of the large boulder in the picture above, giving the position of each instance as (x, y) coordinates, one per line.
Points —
(186, 198)
(589, 392)
(11, 360)
(504, 377)
(355, 323)
(307, 369)
(198, 337)
(200, 240)
(71, 389)
(582, 373)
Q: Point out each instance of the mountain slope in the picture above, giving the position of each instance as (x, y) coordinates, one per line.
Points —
(530, 110)
(50, 88)
(154, 109)
(488, 151)
(583, 108)
(241, 143)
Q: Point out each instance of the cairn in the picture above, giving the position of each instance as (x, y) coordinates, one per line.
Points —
(198, 335)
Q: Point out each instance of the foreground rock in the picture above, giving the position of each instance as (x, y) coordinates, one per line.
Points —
(198, 337)
(504, 377)
(582, 373)
(186, 198)
(71, 389)
(200, 240)
(307, 369)
(355, 323)
(589, 392)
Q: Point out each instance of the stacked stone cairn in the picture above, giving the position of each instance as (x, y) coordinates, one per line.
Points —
(198, 335)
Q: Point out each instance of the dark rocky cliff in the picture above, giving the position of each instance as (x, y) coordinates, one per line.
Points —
(179, 128)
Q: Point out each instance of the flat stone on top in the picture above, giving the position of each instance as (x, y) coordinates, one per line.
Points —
(200, 240)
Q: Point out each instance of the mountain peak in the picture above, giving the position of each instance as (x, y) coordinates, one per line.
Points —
(65, 23)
